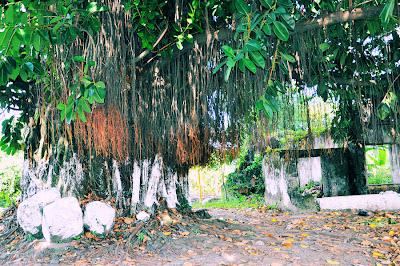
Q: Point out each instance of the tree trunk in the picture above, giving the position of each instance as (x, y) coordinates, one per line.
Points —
(135, 186)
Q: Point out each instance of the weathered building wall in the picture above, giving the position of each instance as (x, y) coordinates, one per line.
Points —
(343, 173)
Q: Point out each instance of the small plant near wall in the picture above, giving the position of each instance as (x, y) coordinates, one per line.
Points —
(312, 188)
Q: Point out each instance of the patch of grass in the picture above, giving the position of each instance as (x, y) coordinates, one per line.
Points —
(242, 202)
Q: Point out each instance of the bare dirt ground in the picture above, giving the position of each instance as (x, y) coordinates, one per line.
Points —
(230, 237)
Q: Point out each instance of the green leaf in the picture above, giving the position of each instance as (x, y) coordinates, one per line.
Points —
(61, 106)
(252, 45)
(324, 46)
(80, 111)
(37, 43)
(56, 19)
(279, 11)
(15, 73)
(227, 73)
(92, 7)
(79, 58)
(23, 74)
(242, 7)
(373, 26)
(8, 67)
(241, 65)
(267, 29)
(59, 25)
(86, 107)
(250, 65)
(91, 63)
(95, 24)
(383, 111)
(258, 59)
(230, 62)
(179, 45)
(189, 38)
(219, 66)
(256, 20)
(12, 61)
(37, 68)
(343, 59)
(288, 58)
(267, 3)
(288, 21)
(29, 66)
(387, 12)
(101, 92)
(9, 14)
(100, 84)
(285, 3)
(228, 51)
(3, 75)
(281, 31)
(263, 105)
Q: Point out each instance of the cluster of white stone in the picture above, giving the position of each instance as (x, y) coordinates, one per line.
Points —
(61, 219)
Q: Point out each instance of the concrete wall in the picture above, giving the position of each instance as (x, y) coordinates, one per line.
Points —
(280, 181)
(394, 157)
(309, 170)
(343, 173)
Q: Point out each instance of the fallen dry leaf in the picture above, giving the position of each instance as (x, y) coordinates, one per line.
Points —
(366, 243)
(287, 244)
(167, 233)
(377, 254)
(128, 220)
(303, 246)
(332, 262)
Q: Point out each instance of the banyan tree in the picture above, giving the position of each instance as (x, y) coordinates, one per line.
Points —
(121, 98)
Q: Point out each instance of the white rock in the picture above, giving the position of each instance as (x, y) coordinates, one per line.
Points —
(98, 217)
(62, 220)
(260, 243)
(29, 212)
(143, 216)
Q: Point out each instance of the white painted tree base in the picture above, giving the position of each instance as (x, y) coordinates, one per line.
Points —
(148, 181)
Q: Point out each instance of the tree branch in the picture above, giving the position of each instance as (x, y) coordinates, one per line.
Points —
(302, 26)
(340, 17)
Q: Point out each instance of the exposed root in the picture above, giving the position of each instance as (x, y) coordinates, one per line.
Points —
(170, 223)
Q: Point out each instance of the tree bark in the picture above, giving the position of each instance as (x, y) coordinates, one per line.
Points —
(135, 186)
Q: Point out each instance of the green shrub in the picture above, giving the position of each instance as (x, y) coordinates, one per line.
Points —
(247, 177)
(10, 176)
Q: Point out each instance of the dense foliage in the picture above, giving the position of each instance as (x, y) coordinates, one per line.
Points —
(247, 178)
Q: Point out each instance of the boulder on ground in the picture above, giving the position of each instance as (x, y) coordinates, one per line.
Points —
(143, 216)
(29, 212)
(98, 217)
(62, 220)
